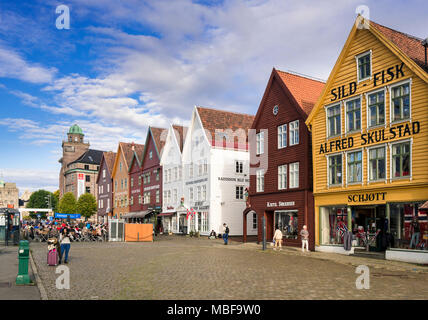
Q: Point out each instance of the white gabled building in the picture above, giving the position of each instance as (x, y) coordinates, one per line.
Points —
(215, 162)
(172, 181)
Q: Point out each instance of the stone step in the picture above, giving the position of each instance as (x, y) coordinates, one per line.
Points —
(370, 254)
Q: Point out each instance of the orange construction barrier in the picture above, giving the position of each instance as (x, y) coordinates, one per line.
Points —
(138, 232)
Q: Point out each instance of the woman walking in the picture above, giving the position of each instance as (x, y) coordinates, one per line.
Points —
(64, 239)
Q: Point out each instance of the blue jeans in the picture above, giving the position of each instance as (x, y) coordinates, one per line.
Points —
(64, 248)
(415, 236)
(225, 237)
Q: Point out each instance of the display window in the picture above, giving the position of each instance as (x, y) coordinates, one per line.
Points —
(408, 226)
(287, 222)
(334, 224)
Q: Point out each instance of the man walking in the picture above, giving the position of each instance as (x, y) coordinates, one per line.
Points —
(305, 237)
(225, 233)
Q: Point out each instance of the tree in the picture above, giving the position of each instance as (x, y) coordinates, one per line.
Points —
(87, 205)
(56, 196)
(41, 199)
(67, 204)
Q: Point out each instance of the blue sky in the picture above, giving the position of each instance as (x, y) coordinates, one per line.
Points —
(125, 65)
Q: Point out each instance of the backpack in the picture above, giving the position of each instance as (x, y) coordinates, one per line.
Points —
(227, 230)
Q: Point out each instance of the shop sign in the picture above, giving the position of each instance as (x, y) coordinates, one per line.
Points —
(381, 135)
(233, 179)
(280, 204)
(366, 197)
(151, 188)
(196, 181)
(379, 78)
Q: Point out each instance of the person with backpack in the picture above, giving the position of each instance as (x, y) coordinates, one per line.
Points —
(225, 233)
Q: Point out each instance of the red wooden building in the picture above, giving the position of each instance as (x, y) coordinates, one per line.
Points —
(281, 162)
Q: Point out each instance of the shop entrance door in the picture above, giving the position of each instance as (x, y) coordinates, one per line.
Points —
(270, 228)
(371, 219)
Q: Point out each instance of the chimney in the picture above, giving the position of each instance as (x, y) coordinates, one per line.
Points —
(425, 44)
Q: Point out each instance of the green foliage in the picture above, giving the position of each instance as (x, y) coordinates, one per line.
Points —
(86, 205)
(67, 204)
(56, 196)
(40, 199)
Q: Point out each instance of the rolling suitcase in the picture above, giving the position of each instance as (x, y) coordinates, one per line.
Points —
(53, 257)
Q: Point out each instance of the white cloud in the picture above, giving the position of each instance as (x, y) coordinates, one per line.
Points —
(29, 179)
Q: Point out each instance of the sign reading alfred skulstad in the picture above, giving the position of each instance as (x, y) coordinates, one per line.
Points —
(398, 131)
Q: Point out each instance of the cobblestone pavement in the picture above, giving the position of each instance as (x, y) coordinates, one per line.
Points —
(188, 268)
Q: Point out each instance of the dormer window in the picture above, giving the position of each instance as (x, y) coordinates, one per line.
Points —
(364, 66)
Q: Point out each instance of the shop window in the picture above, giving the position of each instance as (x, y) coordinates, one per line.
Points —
(334, 224)
(364, 66)
(282, 177)
(407, 225)
(333, 121)
(294, 175)
(377, 164)
(260, 179)
(287, 222)
(355, 164)
(282, 136)
(376, 109)
(260, 139)
(205, 222)
(294, 132)
(335, 169)
(401, 160)
(400, 102)
(353, 115)
(239, 192)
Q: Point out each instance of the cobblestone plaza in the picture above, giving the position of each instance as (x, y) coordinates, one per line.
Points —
(188, 268)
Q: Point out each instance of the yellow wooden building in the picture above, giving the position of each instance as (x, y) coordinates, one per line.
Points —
(370, 146)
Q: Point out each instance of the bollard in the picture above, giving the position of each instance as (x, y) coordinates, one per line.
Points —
(23, 256)
(264, 233)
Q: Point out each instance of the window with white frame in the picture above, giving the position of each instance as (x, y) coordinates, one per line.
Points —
(200, 168)
(199, 193)
(254, 221)
(191, 170)
(376, 108)
(108, 187)
(205, 166)
(239, 192)
(335, 169)
(282, 136)
(260, 180)
(401, 165)
(294, 174)
(205, 222)
(353, 115)
(364, 66)
(175, 199)
(104, 173)
(354, 166)
(132, 200)
(204, 192)
(377, 163)
(293, 127)
(147, 197)
(239, 166)
(333, 120)
(400, 102)
(191, 194)
(282, 177)
(260, 139)
(179, 173)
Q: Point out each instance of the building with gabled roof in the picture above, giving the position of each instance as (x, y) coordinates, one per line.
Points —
(215, 162)
(369, 142)
(124, 155)
(281, 168)
(105, 186)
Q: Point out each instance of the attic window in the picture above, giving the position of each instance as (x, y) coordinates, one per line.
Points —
(364, 65)
(150, 154)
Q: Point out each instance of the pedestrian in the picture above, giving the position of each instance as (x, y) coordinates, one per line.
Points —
(225, 233)
(64, 239)
(305, 237)
(416, 231)
(278, 239)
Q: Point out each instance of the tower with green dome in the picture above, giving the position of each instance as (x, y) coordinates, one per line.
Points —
(72, 148)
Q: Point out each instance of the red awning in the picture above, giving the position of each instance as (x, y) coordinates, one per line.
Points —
(166, 214)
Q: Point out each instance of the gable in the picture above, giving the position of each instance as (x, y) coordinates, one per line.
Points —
(149, 148)
(385, 55)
